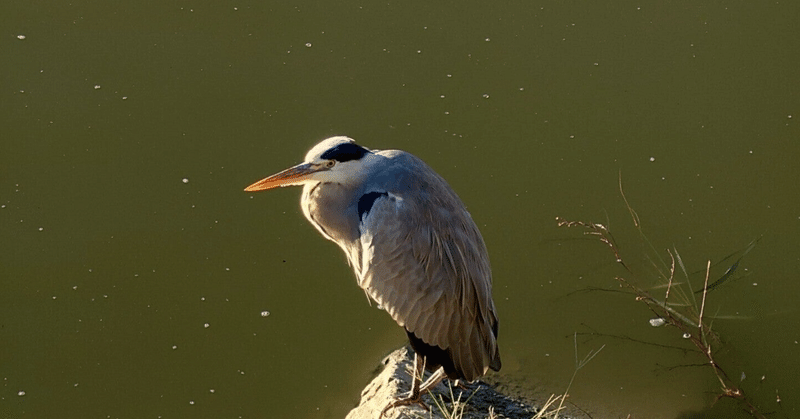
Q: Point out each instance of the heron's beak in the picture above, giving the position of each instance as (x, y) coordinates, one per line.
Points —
(291, 176)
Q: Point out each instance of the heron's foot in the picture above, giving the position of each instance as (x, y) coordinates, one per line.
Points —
(405, 401)
(461, 384)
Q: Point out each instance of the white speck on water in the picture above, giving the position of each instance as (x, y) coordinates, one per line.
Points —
(96, 86)
(211, 390)
(658, 321)
(265, 313)
(652, 159)
(449, 75)
(191, 401)
(687, 335)
(54, 297)
(185, 180)
(124, 98)
(41, 228)
(206, 325)
(174, 347)
(20, 37)
(521, 89)
(755, 284)
(308, 44)
(487, 39)
(21, 393)
(486, 96)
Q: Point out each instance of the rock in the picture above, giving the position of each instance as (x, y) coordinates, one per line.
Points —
(478, 401)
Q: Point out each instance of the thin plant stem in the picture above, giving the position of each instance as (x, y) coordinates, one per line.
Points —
(703, 304)
(578, 366)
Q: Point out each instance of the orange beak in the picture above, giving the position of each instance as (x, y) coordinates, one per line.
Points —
(292, 176)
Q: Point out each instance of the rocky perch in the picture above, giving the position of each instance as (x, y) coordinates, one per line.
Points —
(478, 400)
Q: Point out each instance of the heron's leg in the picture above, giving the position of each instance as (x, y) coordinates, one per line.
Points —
(417, 389)
(432, 381)
(416, 379)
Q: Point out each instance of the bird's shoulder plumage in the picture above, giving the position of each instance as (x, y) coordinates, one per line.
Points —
(421, 257)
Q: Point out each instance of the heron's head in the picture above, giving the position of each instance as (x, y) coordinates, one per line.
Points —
(336, 159)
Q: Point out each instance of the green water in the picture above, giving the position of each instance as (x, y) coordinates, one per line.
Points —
(139, 281)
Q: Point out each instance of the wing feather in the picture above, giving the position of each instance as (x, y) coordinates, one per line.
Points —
(424, 261)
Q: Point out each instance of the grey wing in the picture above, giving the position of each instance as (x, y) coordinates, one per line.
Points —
(428, 267)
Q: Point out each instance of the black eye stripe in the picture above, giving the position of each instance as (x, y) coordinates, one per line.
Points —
(345, 152)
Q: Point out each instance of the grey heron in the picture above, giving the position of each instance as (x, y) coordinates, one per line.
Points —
(414, 248)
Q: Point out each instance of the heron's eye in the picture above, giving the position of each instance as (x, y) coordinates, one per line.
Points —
(330, 163)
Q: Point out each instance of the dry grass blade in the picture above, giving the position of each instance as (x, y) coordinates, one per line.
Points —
(684, 314)
(578, 365)
(457, 411)
(633, 213)
(546, 412)
(703, 304)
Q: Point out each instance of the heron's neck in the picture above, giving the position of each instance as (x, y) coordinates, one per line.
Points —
(330, 207)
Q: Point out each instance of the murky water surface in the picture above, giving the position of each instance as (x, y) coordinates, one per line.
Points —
(140, 281)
